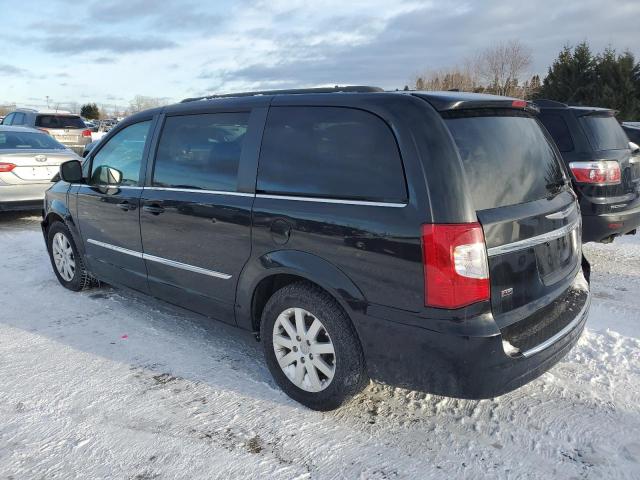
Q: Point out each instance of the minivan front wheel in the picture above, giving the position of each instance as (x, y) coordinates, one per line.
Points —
(66, 261)
(311, 347)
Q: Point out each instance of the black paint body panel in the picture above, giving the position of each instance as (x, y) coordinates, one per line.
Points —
(368, 256)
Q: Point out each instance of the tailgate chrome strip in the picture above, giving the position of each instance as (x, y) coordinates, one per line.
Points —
(533, 241)
(562, 333)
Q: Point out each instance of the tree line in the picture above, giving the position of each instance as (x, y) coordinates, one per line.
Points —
(577, 77)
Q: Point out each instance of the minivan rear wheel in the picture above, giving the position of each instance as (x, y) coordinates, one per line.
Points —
(311, 347)
(66, 261)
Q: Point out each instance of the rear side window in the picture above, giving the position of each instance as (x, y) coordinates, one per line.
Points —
(201, 151)
(633, 134)
(559, 131)
(59, 121)
(507, 158)
(330, 152)
(8, 119)
(604, 132)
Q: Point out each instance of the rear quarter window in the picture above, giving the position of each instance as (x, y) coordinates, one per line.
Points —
(330, 152)
(559, 131)
(506, 156)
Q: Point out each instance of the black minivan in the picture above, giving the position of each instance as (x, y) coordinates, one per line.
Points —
(424, 240)
(605, 172)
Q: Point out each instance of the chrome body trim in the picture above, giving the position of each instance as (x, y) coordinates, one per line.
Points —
(562, 333)
(196, 190)
(533, 241)
(115, 248)
(333, 200)
(164, 261)
(562, 213)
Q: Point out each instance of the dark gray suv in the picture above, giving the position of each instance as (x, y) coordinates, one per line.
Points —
(65, 127)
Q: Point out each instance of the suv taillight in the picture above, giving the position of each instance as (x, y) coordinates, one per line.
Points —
(6, 167)
(456, 270)
(603, 172)
(86, 133)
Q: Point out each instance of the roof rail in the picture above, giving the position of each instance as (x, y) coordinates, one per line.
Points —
(543, 102)
(295, 91)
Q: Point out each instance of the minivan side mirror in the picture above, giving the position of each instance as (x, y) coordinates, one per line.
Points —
(635, 149)
(71, 171)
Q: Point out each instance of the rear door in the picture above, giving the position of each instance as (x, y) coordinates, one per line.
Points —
(196, 218)
(525, 205)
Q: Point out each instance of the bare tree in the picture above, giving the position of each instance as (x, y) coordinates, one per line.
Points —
(141, 102)
(463, 78)
(501, 65)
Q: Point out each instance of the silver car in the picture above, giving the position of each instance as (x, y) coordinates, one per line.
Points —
(65, 127)
(29, 159)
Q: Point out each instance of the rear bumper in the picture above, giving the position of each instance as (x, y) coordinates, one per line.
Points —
(596, 228)
(22, 197)
(454, 365)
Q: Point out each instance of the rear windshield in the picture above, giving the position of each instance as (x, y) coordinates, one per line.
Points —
(604, 132)
(59, 121)
(507, 157)
(28, 141)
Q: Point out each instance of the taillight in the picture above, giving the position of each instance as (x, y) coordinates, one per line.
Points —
(86, 133)
(456, 270)
(519, 104)
(6, 167)
(603, 172)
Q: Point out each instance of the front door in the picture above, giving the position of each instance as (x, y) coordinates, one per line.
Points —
(109, 208)
(194, 221)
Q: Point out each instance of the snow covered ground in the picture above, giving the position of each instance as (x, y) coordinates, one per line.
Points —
(107, 384)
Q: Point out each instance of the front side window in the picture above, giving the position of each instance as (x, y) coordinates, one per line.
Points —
(201, 152)
(118, 161)
(559, 131)
(604, 132)
(330, 152)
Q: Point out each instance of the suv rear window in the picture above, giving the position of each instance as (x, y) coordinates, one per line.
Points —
(59, 121)
(604, 132)
(507, 157)
(330, 152)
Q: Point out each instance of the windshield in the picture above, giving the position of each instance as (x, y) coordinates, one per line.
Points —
(59, 121)
(604, 132)
(507, 157)
(28, 141)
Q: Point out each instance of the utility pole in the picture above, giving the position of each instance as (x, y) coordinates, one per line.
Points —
(47, 101)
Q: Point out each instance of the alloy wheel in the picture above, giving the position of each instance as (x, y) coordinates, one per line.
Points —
(304, 349)
(63, 256)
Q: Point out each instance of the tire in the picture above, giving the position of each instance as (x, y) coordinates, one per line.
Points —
(76, 277)
(345, 367)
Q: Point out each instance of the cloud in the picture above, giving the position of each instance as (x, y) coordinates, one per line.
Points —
(65, 44)
(104, 60)
(12, 70)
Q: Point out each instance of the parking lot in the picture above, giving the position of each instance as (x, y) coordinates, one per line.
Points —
(108, 383)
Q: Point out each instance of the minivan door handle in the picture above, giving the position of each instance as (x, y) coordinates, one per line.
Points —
(126, 206)
(153, 209)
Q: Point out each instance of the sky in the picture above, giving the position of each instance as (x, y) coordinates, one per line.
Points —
(110, 51)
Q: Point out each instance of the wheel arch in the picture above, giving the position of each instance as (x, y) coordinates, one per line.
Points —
(265, 275)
